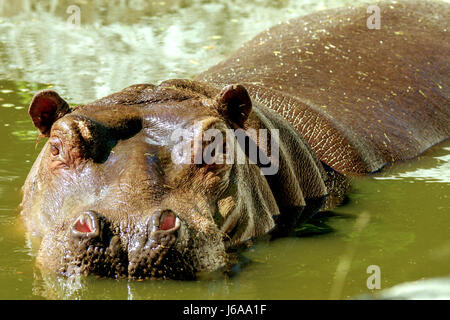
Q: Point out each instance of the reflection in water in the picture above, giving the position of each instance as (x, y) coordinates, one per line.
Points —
(345, 261)
(438, 173)
(54, 287)
(430, 289)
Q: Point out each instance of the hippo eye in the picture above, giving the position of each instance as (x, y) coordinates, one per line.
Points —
(54, 150)
(58, 157)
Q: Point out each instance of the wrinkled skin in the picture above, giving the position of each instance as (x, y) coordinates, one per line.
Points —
(107, 197)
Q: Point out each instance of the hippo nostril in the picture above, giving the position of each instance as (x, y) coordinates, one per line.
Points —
(164, 221)
(86, 225)
(82, 225)
(168, 221)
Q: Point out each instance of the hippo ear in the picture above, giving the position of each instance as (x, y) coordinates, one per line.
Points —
(45, 108)
(235, 104)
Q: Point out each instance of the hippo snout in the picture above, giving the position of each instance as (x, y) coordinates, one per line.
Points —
(139, 249)
(93, 246)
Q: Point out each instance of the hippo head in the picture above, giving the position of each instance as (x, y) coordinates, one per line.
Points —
(108, 196)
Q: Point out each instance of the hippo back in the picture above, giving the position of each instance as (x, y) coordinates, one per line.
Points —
(362, 98)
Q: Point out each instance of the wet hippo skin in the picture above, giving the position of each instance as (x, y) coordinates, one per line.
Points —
(107, 197)
(361, 98)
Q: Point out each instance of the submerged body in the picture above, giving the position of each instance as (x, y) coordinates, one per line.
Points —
(107, 197)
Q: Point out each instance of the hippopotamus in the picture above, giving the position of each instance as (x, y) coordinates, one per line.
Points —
(108, 196)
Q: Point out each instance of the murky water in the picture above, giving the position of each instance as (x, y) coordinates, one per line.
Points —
(398, 220)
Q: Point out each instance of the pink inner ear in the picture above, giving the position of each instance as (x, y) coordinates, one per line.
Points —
(168, 222)
(46, 108)
(43, 110)
(46, 104)
(82, 227)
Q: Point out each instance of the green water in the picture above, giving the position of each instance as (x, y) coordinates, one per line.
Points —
(398, 220)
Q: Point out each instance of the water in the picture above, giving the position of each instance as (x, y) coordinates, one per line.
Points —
(397, 220)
